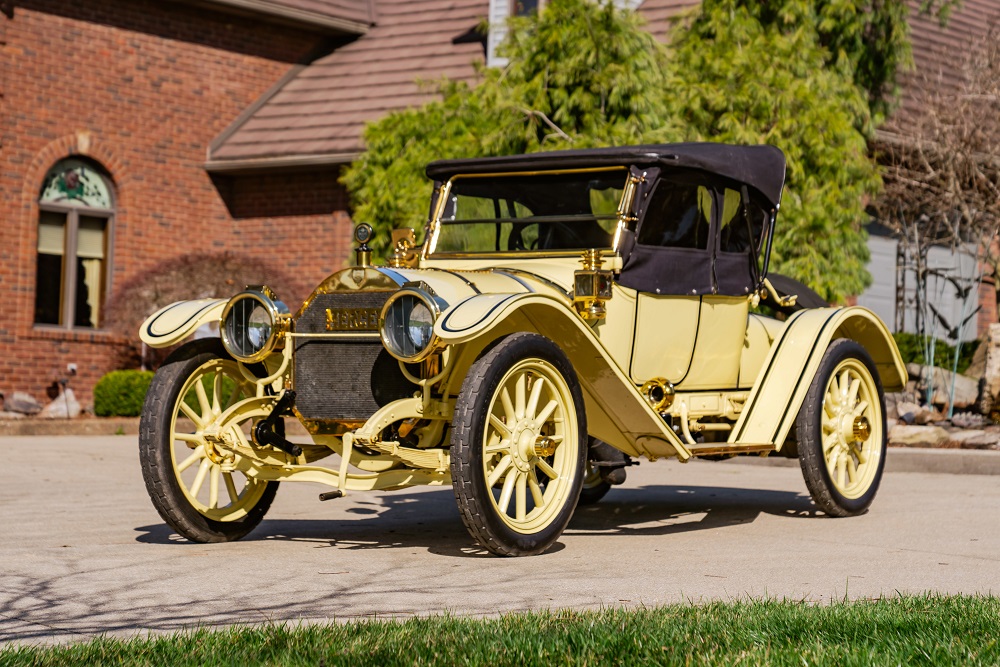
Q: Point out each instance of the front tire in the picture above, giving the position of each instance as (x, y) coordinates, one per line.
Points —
(191, 479)
(518, 447)
(841, 431)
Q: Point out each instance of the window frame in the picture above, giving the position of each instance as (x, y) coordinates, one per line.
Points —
(68, 279)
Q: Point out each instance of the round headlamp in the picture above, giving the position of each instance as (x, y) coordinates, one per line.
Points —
(407, 325)
(253, 325)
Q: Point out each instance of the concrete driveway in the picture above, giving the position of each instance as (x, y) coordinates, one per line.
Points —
(82, 552)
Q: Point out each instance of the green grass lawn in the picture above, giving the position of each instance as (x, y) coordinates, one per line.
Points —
(922, 630)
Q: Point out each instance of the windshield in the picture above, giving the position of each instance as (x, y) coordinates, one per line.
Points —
(531, 212)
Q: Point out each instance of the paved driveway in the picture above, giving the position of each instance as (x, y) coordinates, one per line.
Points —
(82, 551)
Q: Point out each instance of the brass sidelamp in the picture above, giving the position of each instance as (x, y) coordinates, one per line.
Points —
(592, 286)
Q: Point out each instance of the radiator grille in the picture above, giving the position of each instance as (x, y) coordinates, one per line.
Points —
(347, 378)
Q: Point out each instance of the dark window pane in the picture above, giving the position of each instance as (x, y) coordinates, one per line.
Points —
(679, 215)
(90, 247)
(525, 7)
(49, 274)
(739, 234)
(48, 289)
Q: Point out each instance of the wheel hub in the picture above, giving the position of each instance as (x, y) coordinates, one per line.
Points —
(861, 429)
(523, 439)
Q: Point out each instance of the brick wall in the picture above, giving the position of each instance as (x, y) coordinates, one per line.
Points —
(140, 87)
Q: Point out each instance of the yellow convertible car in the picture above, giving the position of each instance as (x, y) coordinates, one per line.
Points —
(565, 314)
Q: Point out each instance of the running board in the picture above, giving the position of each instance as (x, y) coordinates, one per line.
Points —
(723, 449)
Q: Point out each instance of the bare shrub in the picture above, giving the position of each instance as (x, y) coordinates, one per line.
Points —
(192, 276)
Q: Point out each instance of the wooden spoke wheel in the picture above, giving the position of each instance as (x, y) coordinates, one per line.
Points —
(186, 452)
(519, 446)
(841, 430)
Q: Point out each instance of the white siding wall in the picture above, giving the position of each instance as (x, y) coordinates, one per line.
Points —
(881, 296)
(500, 10)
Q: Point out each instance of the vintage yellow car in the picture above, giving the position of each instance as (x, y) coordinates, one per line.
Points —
(566, 314)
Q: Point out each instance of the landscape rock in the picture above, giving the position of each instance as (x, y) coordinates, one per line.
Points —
(907, 411)
(966, 388)
(991, 371)
(63, 406)
(973, 440)
(11, 415)
(905, 435)
(23, 403)
(968, 420)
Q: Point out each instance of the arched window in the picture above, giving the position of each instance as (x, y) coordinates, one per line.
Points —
(75, 212)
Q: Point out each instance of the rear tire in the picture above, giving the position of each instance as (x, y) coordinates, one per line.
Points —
(841, 431)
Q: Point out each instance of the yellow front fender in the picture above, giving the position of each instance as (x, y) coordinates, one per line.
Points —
(616, 412)
(794, 359)
(172, 324)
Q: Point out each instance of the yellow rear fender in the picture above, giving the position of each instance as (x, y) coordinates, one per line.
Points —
(792, 363)
(172, 324)
(616, 412)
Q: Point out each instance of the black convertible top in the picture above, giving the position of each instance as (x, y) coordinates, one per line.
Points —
(760, 167)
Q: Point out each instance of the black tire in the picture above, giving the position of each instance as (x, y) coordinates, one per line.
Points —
(593, 488)
(842, 466)
(159, 449)
(536, 442)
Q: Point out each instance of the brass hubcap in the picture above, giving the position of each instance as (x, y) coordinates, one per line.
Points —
(862, 429)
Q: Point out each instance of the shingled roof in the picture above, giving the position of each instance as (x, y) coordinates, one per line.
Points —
(316, 114)
(938, 56)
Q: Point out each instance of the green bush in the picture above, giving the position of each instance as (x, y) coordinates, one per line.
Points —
(911, 346)
(121, 393)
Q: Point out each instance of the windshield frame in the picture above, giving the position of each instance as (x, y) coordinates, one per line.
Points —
(436, 223)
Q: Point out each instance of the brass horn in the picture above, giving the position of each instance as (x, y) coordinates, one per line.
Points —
(659, 393)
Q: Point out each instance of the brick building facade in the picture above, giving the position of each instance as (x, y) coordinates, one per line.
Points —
(136, 90)
(213, 125)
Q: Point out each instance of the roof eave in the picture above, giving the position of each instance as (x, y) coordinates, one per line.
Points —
(274, 164)
(288, 15)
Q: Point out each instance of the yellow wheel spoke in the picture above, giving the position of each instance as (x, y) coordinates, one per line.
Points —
(852, 393)
(845, 382)
(188, 437)
(829, 442)
(506, 492)
(502, 467)
(191, 414)
(547, 411)
(862, 457)
(206, 408)
(520, 496)
(195, 455)
(536, 393)
(508, 406)
(544, 466)
(519, 391)
(831, 458)
(499, 425)
(852, 469)
(842, 471)
(213, 488)
(200, 477)
(829, 409)
(536, 489)
(861, 408)
(496, 444)
(217, 394)
(227, 477)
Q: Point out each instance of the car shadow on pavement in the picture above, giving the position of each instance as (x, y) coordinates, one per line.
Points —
(665, 510)
(429, 520)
